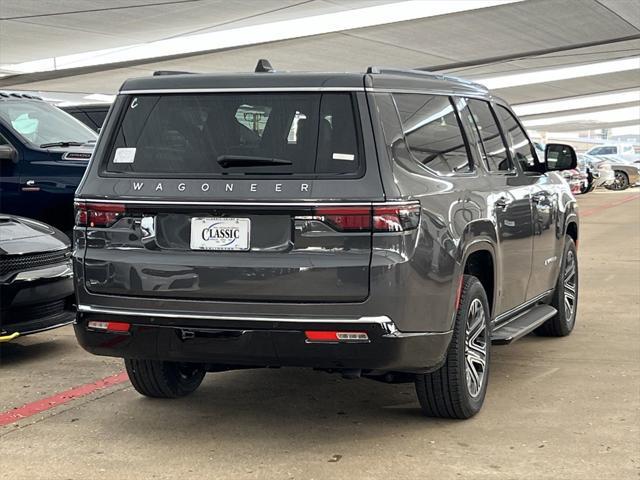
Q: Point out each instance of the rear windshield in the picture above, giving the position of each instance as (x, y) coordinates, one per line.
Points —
(305, 134)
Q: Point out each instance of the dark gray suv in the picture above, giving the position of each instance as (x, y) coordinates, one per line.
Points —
(391, 224)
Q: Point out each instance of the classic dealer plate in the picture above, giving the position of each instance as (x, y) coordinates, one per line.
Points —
(217, 233)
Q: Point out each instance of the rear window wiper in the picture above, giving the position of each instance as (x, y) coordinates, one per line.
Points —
(226, 161)
(62, 144)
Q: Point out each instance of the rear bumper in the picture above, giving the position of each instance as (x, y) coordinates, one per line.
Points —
(260, 341)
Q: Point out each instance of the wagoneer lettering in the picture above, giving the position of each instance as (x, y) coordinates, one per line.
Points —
(365, 224)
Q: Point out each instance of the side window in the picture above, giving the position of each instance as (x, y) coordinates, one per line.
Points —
(7, 167)
(522, 150)
(495, 152)
(433, 133)
(608, 151)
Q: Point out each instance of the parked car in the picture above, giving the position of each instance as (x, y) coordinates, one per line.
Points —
(43, 154)
(36, 286)
(619, 149)
(626, 171)
(397, 234)
(599, 173)
(92, 115)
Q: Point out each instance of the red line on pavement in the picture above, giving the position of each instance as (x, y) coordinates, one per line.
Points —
(628, 198)
(61, 398)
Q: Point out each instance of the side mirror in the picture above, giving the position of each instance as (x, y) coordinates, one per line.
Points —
(558, 156)
(7, 152)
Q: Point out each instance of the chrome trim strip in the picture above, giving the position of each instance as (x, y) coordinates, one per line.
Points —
(63, 270)
(523, 306)
(309, 203)
(50, 327)
(223, 203)
(146, 313)
(241, 89)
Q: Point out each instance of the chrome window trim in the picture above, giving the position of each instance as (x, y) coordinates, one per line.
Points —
(241, 89)
(146, 313)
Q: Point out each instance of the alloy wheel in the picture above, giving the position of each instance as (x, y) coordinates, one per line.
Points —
(475, 348)
(570, 287)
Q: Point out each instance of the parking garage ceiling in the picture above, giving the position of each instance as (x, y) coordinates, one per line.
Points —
(479, 43)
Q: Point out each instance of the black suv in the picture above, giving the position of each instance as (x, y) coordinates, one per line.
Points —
(391, 224)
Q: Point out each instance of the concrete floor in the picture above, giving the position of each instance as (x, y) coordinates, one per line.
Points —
(556, 408)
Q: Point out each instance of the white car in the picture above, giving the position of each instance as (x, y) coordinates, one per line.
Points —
(620, 149)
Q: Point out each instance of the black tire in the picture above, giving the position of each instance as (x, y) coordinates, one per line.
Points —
(621, 182)
(563, 322)
(164, 379)
(446, 393)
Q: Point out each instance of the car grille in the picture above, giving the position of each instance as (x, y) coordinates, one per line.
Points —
(34, 312)
(17, 263)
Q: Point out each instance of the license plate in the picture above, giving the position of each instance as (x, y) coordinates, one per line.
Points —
(220, 233)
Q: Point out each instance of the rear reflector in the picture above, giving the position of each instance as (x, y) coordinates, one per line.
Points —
(98, 214)
(335, 337)
(109, 326)
(393, 217)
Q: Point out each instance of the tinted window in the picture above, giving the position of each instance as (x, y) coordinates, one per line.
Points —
(238, 134)
(522, 151)
(433, 132)
(492, 145)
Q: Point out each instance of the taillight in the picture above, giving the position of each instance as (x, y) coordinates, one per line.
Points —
(345, 219)
(98, 214)
(396, 217)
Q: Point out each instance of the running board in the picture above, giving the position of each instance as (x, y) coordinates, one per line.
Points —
(522, 324)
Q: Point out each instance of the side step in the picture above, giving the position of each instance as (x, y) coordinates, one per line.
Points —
(522, 324)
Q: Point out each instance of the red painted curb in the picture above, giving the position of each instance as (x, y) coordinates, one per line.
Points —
(61, 398)
(628, 198)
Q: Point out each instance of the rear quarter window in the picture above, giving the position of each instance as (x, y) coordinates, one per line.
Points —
(238, 134)
(433, 132)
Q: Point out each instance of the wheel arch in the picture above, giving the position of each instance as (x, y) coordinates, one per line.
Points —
(479, 260)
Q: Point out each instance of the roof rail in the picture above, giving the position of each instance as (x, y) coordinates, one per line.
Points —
(421, 73)
(160, 73)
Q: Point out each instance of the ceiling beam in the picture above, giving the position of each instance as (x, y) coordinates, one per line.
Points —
(527, 54)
